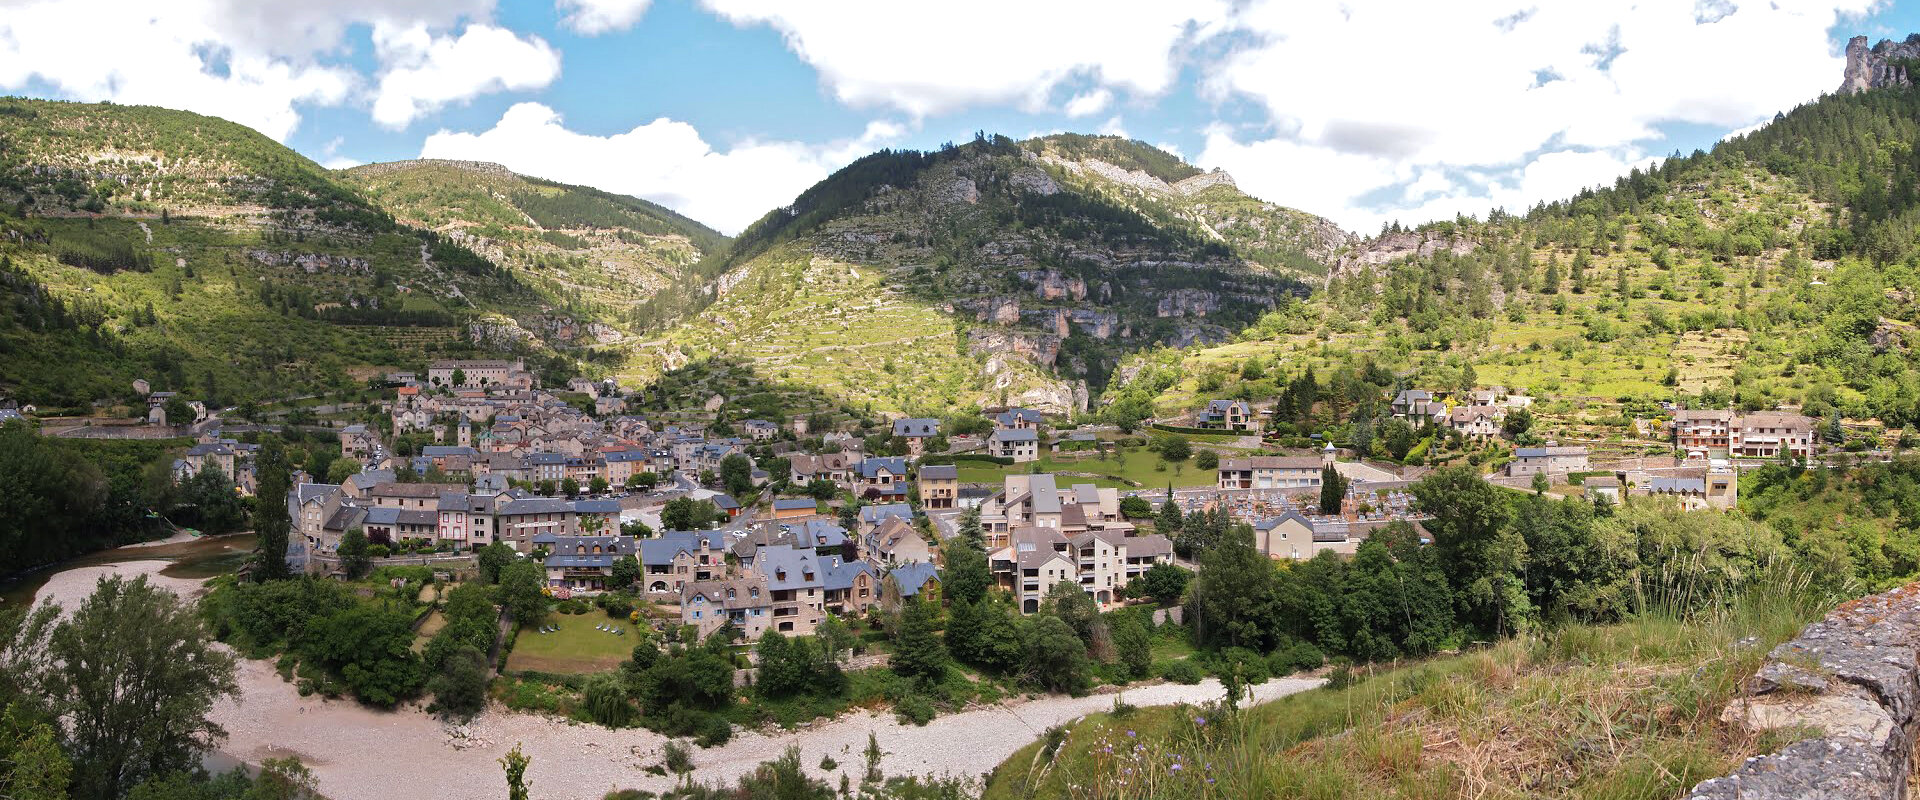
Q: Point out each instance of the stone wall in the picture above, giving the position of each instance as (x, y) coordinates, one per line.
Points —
(1854, 680)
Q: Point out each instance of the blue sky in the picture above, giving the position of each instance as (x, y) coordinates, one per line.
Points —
(724, 109)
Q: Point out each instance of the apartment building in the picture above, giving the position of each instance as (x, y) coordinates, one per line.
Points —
(1272, 472)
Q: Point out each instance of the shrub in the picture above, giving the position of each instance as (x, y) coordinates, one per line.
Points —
(1299, 657)
(617, 606)
(714, 731)
(915, 709)
(1251, 666)
(1182, 671)
(572, 606)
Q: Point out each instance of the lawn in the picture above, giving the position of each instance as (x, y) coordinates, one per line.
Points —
(578, 646)
(1133, 465)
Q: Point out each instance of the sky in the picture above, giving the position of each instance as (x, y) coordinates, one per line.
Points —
(1363, 112)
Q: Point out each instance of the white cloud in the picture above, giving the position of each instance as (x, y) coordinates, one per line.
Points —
(665, 160)
(1536, 104)
(1089, 103)
(425, 72)
(924, 58)
(175, 54)
(258, 63)
(595, 17)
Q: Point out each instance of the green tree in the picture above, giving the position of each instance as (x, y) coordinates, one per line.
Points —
(1056, 658)
(1231, 599)
(1165, 583)
(493, 558)
(32, 765)
(460, 688)
(178, 412)
(1170, 519)
(130, 677)
(1071, 603)
(569, 487)
(736, 474)
(1172, 449)
(372, 650)
(1517, 422)
(1333, 490)
(1479, 552)
(918, 653)
(270, 518)
(520, 595)
(598, 485)
(966, 576)
(342, 470)
(353, 553)
(1135, 507)
(1398, 437)
(459, 377)
(1134, 645)
(626, 573)
(1207, 460)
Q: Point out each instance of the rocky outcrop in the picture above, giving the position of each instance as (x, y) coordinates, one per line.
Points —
(1854, 679)
(1406, 244)
(310, 263)
(1885, 64)
(1036, 348)
(1052, 285)
(1204, 181)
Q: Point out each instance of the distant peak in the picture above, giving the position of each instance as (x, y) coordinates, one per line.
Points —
(390, 167)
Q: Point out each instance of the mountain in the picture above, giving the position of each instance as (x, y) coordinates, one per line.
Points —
(1775, 269)
(203, 257)
(995, 271)
(601, 252)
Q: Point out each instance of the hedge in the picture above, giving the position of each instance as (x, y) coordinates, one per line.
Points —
(934, 461)
(1201, 431)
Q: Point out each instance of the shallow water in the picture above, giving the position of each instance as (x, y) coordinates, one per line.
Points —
(206, 557)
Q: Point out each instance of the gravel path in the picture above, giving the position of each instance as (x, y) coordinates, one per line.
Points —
(361, 753)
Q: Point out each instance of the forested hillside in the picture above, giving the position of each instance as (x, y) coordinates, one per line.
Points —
(1004, 271)
(1776, 268)
(594, 252)
(204, 258)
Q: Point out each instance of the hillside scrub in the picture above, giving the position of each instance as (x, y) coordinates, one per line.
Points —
(1627, 710)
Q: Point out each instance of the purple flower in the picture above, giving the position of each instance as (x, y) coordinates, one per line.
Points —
(1176, 766)
(1202, 721)
(1129, 734)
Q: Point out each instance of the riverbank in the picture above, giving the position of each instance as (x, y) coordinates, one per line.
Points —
(357, 752)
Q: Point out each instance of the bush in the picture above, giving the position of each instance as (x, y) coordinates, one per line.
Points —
(1182, 671)
(617, 606)
(1300, 657)
(572, 606)
(915, 709)
(1251, 665)
(714, 730)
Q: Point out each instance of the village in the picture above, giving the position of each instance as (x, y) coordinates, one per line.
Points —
(705, 529)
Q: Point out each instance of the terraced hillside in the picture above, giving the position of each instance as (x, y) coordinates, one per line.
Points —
(1775, 269)
(205, 258)
(595, 252)
(999, 270)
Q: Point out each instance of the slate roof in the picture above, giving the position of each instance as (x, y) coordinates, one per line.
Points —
(940, 472)
(913, 576)
(916, 426)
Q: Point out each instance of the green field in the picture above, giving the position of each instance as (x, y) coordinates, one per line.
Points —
(1136, 465)
(577, 647)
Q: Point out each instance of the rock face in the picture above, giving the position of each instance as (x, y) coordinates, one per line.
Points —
(1885, 64)
(1855, 677)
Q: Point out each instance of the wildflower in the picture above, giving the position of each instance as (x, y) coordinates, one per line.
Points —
(1130, 734)
(1200, 721)
(1175, 767)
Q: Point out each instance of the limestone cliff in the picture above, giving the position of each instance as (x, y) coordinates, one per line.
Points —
(1885, 64)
